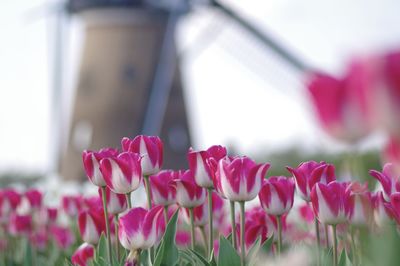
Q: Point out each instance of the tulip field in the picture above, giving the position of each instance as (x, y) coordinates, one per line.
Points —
(225, 209)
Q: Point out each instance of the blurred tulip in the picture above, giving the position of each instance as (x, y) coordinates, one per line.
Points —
(306, 213)
(393, 207)
(277, 195)
(391, 153)
(116, 203)
(163, 190)
(91, 162)
(257, 225)
(39, 239)
(122, 173)
(34, 198)
(91, 225)
(150, 147)
(239, 178)
(188, 193)
(139, 227)
(331, 203)
(83, 255)
(200, 215)
(388, 179)
(20, 224)
(361, 211)
(204, 164)
(72, 204)
(62, 236)
(307, 174)
(9, 200)
(381, 214)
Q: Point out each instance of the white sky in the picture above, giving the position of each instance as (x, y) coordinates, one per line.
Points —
(236, 92)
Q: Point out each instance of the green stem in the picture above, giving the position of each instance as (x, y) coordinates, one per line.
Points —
(242, 231)
(318, 241)
(103, 190)
(166, 215)
(233, 223)
(210, 223)
(335, 261)
(192, 227)
(353, 247)
(326, 235)
(128, 199)
(203, 234)
(148, 194)
(116, 236)
(279, 221)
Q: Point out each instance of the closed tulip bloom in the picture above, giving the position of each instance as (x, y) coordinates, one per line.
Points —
(381, 214)
(388, 179)
(277, 195)
(188, 193)
(204, 164)
(393, 207)
(9, 200)
(83, 255)
(257, 225)
(39, 239)
(391, 153)
(331, 202)
(150, 147)
(116, 203)
(72, 204)
(91, 162)
(20, 224)
(200, 215)
(163, 189)
(122, 173)
(34, 198)
(361, 212)
(306, 213)
(239, 178)
(139, 227)
(63, 236)
(91, 225)
(307, 174)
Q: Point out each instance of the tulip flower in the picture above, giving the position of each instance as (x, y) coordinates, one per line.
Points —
(163, 189)
(34, 198)
(91, 225)
(388, 179)
(381, 214)
(393, 207)
(83, 255)
(150, 147)
(9, 200)
(332, 205)
(391, 153)
(91, 162)
(343, 104)
(138, 231)
(307, 174)
(361, 212)
(116, 203)
(20, 224)
(257, 225)
(71, 204)
(62, 236)
(122, 173)
(39, 239)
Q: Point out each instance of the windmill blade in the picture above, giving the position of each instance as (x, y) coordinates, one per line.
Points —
(272, 44)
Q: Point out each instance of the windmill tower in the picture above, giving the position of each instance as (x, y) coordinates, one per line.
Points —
(128, 83)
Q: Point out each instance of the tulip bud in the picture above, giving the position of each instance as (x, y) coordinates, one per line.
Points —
(71, 205)
(34, 198)
(91, 225)
(204, 164)
(331, 203)
(163, 188)
(9, 200)
(116, 203)
(139, 227)
(381, 215)
(82, 255)
(239, 178)
(277, 195)
(150, 147)
(307, 174)
(122, 173)
(361, 212)
(200, 215)
(91, 163)
(62, 236)
(188, 193)
(20, 224)
(388, 179)
(393, 207)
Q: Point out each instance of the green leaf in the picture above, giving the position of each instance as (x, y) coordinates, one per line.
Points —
(253, 250)
(193, 257)
(168, 254)
(212, 261)
(67, 262)
(28, 255)
(101, 252)
(227, 254)
(266, 247)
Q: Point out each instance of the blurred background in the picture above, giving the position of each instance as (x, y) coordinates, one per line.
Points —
(82, 74)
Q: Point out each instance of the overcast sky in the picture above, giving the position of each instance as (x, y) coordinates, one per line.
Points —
(237, 92)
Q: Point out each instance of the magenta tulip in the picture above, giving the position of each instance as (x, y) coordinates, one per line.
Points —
(91, 226)
(116, 203)
(163, 189)
(188, 193)
(91, 162)
(388, 179)
(63, 236)
(83, 255)
(361, 211)
(277, 195)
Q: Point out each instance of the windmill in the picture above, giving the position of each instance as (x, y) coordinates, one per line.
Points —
(129, 79)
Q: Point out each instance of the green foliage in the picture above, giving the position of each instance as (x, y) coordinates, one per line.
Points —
(227, 254)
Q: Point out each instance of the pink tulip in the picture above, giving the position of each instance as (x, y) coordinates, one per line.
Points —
(91, 163)
(257, 225)
(62, 236)
(116, 203)
(307, 174)
(39, 239)
(139, 227)
(34, 198)
(381, 214)
(306, 213)
(204, 164)
(91, 225)
(20, 224)
(277, 195)
(331, 203)
(150, 147)
(182, 238)
(9, 200)
(239, 178)
(389, 180)
(391, 153)
(200, 215)
(361, 212)
(163, 188)
(72, 204)
(343, 104)
(219, 212)
(393, 208)
(92, 203)
(188, 193)
(122, 173)
(83, 255)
